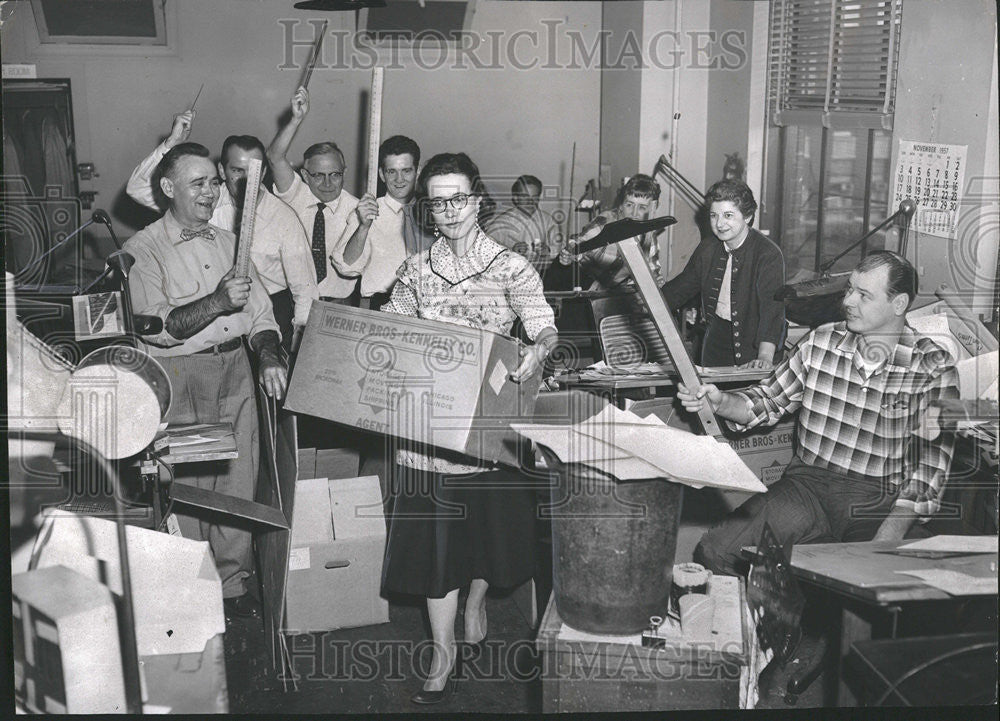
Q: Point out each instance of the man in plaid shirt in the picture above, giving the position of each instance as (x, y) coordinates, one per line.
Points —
(861, 388)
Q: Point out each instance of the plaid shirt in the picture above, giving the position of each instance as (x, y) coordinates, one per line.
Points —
(859, 421)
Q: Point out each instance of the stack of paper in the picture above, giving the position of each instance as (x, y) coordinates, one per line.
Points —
(629, 447)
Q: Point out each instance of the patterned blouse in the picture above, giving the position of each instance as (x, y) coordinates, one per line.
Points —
(487, 288)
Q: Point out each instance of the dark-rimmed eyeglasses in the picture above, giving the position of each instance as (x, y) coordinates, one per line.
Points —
(327, 177)
(457, 202)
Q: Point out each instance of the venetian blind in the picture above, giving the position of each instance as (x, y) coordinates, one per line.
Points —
(833, 62)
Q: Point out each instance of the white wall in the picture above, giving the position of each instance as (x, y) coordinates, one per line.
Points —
(943, 95)
(510, 121)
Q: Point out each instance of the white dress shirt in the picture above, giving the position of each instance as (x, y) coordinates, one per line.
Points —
(280, 250)
(336, 215)
(383, 252)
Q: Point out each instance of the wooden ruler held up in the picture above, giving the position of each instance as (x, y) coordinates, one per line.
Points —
(572, 200)
(313, 56)
(665, 325)
(250, 191)
(374, 129)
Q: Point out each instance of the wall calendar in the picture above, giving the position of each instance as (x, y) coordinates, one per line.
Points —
(932, 175)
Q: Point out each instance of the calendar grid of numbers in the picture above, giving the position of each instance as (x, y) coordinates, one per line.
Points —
(932, 175)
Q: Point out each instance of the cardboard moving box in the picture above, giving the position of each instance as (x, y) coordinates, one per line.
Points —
(329, 463)
(436, 383)
(335, 566)
(179, 618)
(67, 657)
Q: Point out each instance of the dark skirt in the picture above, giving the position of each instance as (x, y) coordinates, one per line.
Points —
(717, 346)
(445, 530)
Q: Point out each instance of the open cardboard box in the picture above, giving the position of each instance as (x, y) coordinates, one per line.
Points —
(331, 463)
(59, 613)
(335, 565)
(177, 597)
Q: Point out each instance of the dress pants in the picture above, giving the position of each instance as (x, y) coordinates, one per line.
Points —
(218, 388)
(807, 504)
(283, 306)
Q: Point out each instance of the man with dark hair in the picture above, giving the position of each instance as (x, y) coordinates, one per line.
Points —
(383, 232)
(526, 228)
(316, 193)
(184, 274)
(862, 388)
(280, 249)
(637, 199)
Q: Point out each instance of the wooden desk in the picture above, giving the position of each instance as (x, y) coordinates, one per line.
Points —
(866, 572)
(864, 579)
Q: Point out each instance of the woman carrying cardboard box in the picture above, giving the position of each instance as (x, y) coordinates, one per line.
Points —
(448, 530)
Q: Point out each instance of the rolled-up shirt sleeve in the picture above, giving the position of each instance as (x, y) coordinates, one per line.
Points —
(355, 269)
(921, 492)
(779, 393)
(140, 183)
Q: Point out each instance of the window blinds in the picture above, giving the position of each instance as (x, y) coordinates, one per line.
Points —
(833, 62)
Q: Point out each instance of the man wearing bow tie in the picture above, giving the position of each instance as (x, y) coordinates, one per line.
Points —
(184, 274)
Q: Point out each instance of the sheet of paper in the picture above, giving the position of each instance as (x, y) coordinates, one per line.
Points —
(190, 441)
(977, 376)
(967, 544)
(631, 469)
(629, 447)
(683, 456)
(955, 583)
(570, 446)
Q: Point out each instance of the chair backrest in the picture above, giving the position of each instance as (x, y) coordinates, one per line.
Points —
(629, 340)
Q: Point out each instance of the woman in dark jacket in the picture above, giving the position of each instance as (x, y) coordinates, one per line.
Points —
(737, 272)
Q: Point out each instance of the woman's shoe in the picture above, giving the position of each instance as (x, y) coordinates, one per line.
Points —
(426, 698)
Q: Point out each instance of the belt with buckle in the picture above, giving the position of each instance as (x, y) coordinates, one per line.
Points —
(231, 344)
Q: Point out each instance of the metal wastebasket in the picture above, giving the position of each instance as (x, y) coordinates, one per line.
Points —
(613, 542)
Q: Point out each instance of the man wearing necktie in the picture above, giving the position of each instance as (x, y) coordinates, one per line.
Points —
(317, 194)
(184, 274)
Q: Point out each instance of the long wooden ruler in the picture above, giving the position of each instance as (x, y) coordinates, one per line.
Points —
(313, 56)
(663, 319)
(374, 129)
(247, 219)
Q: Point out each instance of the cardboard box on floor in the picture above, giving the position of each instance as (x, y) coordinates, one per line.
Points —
(335, 566)
(435, 383)
(330, 463)
(61, 614)
(177, 596)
